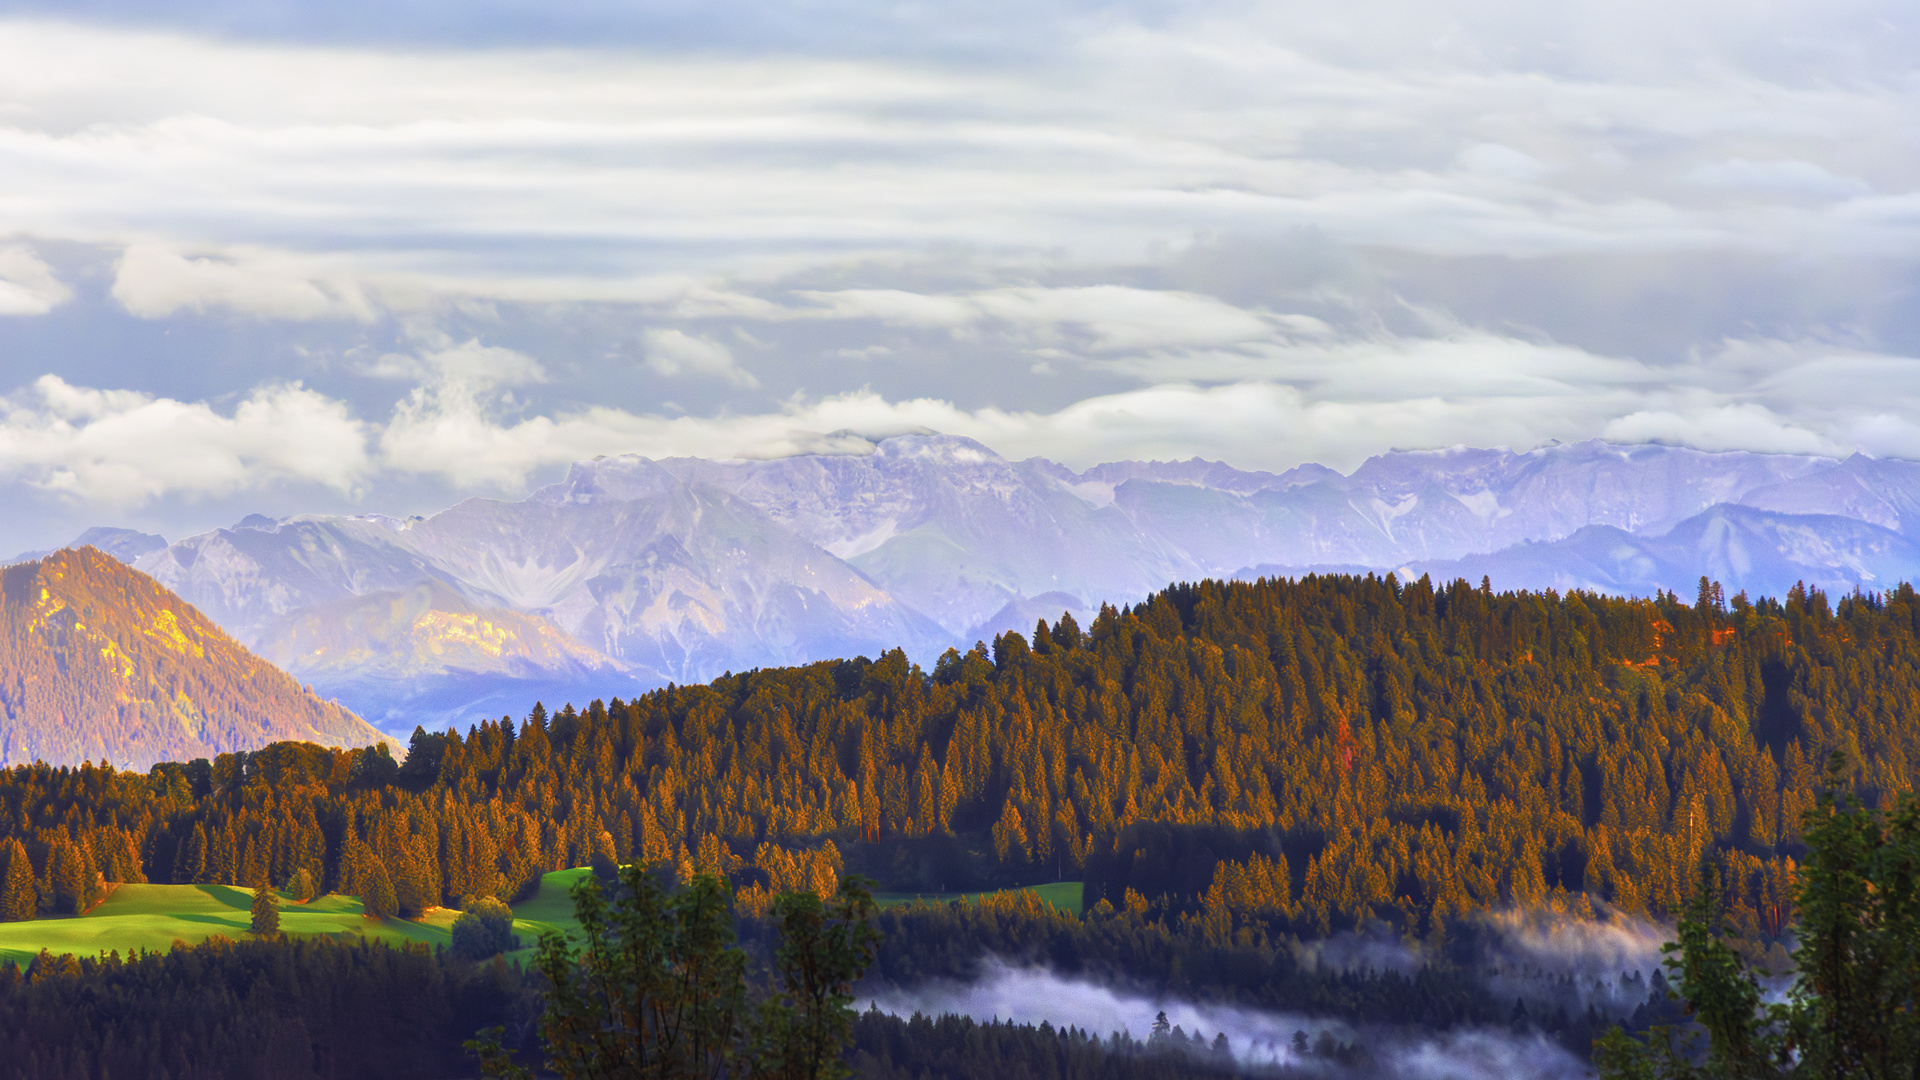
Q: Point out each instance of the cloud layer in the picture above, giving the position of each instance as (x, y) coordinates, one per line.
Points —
(463, 424)
(1266, 235)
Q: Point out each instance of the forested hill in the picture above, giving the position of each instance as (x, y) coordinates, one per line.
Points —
(99, 662)
(1296, 755)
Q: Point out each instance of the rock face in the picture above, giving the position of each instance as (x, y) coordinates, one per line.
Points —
(99, 662)
(633, 572)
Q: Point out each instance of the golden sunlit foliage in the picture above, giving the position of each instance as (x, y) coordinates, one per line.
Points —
(1342, 749)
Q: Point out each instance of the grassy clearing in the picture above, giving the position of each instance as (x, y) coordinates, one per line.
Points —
(1068, 896)
(153, 917)
(549, 909)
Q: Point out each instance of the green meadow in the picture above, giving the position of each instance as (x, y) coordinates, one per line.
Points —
(1068, 896)
(153, 917)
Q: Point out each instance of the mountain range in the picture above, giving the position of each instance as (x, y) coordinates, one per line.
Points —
(99, 663)
(632, 572)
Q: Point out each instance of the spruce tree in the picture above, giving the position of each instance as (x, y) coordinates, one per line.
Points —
(19, 899)
(191, 861)
(377, 897)
(266, 909)
(67, 872)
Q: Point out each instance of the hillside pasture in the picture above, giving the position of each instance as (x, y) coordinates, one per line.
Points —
(153, 917)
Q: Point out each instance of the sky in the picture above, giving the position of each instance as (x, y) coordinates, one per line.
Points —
(362, 257)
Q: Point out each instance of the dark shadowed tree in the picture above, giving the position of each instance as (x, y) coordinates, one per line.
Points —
(266, 909)
(657, 988)
(484, 928)
(825, 946)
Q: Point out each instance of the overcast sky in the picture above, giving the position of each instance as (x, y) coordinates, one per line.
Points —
(379, 257)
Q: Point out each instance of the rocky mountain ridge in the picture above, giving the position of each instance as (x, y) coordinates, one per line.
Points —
(632, 572)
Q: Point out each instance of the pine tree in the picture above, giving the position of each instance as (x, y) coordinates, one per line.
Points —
(19, 899)
(191, 862)
(68, 874)
(266, 909)
(377, 897)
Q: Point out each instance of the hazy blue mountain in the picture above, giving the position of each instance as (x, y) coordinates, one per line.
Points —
(949, 527)
(1760, 552)
(123, 544)
(633, 572)
(620, 577)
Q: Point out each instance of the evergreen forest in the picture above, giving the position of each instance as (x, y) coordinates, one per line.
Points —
(1227, 766)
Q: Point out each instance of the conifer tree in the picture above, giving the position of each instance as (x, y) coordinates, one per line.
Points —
(68, 874)
(191, 861)
(377, 896)
(266, 909)
(19, 899)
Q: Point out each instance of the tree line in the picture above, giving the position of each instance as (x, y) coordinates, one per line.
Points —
(321, 1010)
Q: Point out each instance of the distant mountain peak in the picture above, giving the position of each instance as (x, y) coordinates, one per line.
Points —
(633, 570)
(98, 661)
(123, 544)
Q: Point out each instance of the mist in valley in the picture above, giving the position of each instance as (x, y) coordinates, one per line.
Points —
(1546, 965)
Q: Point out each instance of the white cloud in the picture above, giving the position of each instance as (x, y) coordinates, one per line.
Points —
(1252, 424)
(896, 306)
(1745, 426)
(1464, 364)
(674, 352)
(1271, 406)
(1492, 159)
(1111, 318)
(1332, 403)
(122, 448)
(154, 282)
(469, 364)
(1778, 177)
(698, 191)
(444, 169)
(28, 285)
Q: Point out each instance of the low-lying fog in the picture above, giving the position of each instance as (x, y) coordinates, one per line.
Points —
(1546, 961)
(1030, 995)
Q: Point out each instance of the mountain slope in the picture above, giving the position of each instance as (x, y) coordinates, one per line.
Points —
(674, 580)
(635, 572)
(620, 577)
(98, 661)
(946, 525)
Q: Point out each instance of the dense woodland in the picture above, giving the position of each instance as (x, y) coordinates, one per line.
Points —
(321, 1010)
(1269, 757)
(303, 1010)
